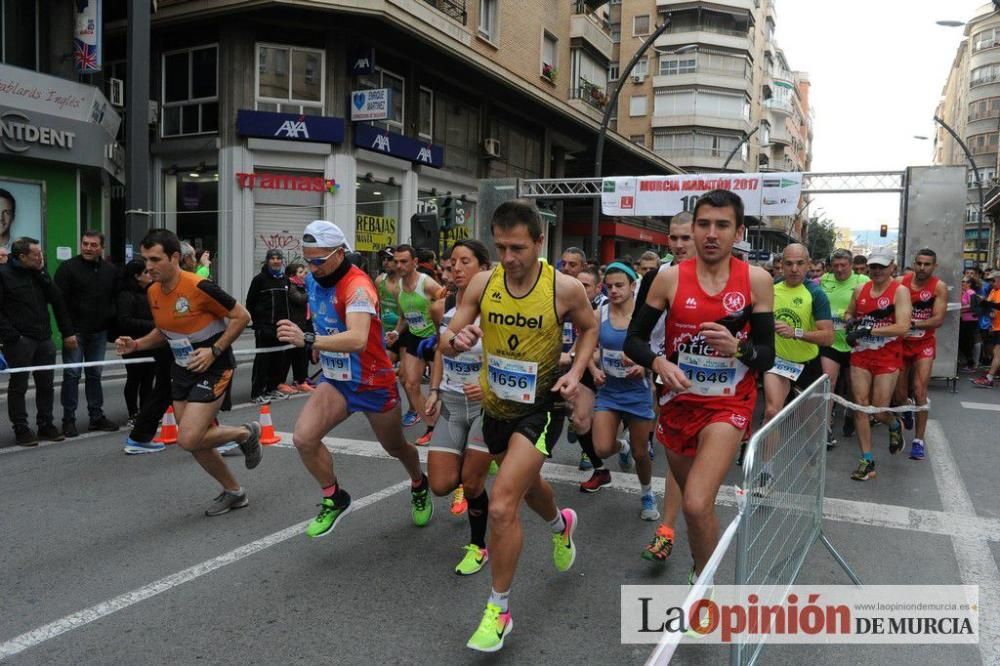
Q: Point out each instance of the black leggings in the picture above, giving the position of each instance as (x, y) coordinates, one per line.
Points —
(138, 385)
(966, 342)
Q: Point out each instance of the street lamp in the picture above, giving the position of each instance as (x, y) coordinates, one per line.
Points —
(623, 76)
(979, 181)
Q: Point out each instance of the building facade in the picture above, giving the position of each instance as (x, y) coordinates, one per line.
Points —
(970, 104)
(59, 159)
(269, 115)
(715, 93)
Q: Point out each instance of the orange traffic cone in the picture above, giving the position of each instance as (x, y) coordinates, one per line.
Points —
(267, 435)
(168, 429)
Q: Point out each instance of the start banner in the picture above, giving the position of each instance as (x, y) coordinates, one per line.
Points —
(762, 193)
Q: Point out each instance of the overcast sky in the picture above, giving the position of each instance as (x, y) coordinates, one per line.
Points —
(877, 69)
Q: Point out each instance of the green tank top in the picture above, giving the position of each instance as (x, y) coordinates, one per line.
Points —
(839, 294)
(416, 309)
(388, 304)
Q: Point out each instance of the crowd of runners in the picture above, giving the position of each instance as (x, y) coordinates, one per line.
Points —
(669, 352)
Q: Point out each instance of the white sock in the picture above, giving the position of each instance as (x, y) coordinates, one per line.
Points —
(557, 524)
(647, 489)
(500, 599)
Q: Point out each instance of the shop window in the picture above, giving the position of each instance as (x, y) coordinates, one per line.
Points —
(19, 33)
(290, 79)
(426, 113)
(382, 78)
(377, 221)
(190, 92)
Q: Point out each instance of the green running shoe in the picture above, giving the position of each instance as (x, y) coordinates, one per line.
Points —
(473, 562)
(896, 438)
(563, 546)
(421, 506)
(329, 517)
(493, 629)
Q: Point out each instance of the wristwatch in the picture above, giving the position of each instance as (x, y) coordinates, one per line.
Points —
(799, 333)
(310, 339)
(216, 352)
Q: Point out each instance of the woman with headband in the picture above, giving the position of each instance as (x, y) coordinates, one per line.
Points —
(624, 393)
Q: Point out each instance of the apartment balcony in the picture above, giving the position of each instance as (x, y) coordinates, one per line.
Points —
(706, 159)
(453, 8)
(589, 99)
(697, 119)
(782, 106)
(588, 29)
(746, 5)
(705, 76)
(781, 136)
(731, 39)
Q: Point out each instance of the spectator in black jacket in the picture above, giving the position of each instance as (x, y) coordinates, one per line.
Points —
(88, 284)
(298, 304)
(135, 320)
(26, 291)
(267, 301)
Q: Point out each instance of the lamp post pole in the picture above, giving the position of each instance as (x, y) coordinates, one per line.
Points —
(746, 137)
(979, 182)
(623, 75)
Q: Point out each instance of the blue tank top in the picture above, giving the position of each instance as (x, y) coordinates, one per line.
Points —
(611, 343)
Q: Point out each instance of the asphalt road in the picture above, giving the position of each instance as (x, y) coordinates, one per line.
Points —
(108, 558)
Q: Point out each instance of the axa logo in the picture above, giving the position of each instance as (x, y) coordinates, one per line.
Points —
(362, 63)
(381, 143)
(293, 129)
(691, 303)
(425, 156)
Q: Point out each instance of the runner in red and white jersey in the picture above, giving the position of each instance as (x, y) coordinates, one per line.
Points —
(879, 316)
(929, 298)
(719, 332)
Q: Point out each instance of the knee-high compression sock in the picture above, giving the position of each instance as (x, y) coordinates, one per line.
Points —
(479, 510)
(587, 444)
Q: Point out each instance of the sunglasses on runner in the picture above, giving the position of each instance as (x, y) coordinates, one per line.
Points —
(319, 261)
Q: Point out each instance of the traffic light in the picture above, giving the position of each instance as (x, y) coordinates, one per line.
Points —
(883, 231)
(447, 212)
(424, 231)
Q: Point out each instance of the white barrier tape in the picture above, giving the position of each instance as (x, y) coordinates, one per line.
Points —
(128, 361)
(664, 651)
(865, 409)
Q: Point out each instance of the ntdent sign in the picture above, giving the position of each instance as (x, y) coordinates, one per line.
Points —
(18, 134)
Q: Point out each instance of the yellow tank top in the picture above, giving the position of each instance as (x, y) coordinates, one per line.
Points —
(522, 340)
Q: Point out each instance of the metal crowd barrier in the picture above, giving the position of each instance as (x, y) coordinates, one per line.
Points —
(780, 514)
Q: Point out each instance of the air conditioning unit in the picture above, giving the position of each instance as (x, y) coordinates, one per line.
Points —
(154, 112)
(491, 147)
(638, 78)
(116, 90)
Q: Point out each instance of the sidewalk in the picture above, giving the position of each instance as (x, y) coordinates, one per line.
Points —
(113, 372)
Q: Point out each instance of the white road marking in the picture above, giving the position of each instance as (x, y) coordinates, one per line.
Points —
(975, 560)
(985, 406)
(86, 616)
(869, 514)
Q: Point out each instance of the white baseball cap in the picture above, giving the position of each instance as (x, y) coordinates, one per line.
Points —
(323, 233)
(881, 258)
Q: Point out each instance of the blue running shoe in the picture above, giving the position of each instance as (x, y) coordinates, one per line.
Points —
(917, 450)
(624, 455)
(908, 416)
(134, 448)
(585, 463)
(411, 418)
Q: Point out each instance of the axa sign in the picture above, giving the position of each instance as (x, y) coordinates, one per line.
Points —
(18, 134)
(289, 126)
(293, 129)
(398, 145)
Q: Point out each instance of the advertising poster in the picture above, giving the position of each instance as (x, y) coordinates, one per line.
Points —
(22, 210)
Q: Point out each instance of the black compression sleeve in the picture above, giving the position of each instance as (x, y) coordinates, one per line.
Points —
(637, 339)
(757, 353)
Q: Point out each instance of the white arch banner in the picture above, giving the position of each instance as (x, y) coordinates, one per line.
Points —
(762, 193)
